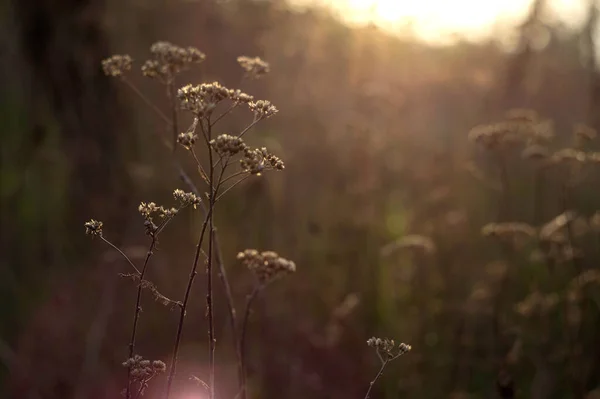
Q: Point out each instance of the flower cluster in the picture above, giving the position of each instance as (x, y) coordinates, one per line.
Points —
(537, 303)
(521, 126)
(142, 370)
(117, 65)
(226, 144)
(169, 59)
(257, 160)
(267, 265)
(254, 66)
(262, 109)
(508, 230)
(387, 347)
(186, 199)
(202, 99)
(93, 227)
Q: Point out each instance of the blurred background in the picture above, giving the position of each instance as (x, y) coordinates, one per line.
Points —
(381, 205)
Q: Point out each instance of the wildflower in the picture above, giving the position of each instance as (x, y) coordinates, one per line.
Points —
(550, 230)
(535, 151)
(267, 265)
(169, 59)
(262, 109)
(187, 139)
(117, 65)
(226, 144)
(93, 227)
(508, 230)
(385, 346)
(255, 161)
(202, 99)
(186, 198)
(584, 133)
(254, 66)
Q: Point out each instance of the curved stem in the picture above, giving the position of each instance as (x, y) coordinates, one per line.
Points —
(122, 253)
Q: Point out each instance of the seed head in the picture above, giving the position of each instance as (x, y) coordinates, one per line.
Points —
(117, 65)
(257, 160)
(262, 109)
(169, 60)
(254, 66)
(267, 265)
(186, 198)
(93, 227)
(226, 144)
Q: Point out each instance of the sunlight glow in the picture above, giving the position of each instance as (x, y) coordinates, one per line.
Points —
(437, 21)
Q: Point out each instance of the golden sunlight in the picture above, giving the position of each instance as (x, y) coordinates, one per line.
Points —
(438, 20)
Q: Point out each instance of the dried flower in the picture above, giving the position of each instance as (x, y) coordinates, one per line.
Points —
(511, 132)
(387, 347)
(226, 144)
(168, 60)
(584, 133)
(186, 198)
(187, 139)
(262, 109)
(117, 65)
(254, 66)
(550, 230)
(267, 265)
(93, 227)
(257, 160)
(411, 241)
(142, 370)
(508, 230)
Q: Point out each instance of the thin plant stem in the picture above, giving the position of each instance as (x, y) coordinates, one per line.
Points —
(184, 304)
(173, 106)
(218, 118)
(254, 122)
(122, 253)
(147, 101)
(232, 186)
(379, 374)
(209, 269)
(242, 344)
(136, 314)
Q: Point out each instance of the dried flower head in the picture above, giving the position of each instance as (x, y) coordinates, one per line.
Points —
(257, 160)
(187, 139)
(186, 199)
(508, 230)
(93, 227)
(226, 144)
(117, 65)
(522, 114)
(594, 222)
(169, 59)
(584, 133)
(387, 347)
(569, 155)
(535, 152)
(254, 66)
(511, 132)
(537, 303)
(553, 229)
(267, 265)
(141, 370)
(148, 210)
(411, 241)
(262, 109)
(202, 99)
